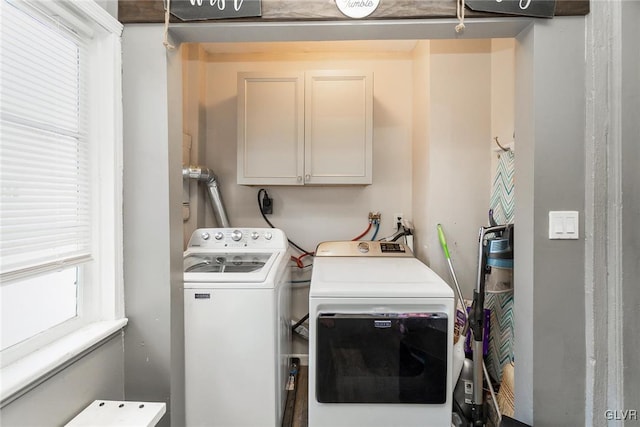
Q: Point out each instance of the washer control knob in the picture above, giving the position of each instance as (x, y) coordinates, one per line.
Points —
(363, 247)
(236, 235)
(218, 235)
(268, 235)
(255, 235)
(205, 236)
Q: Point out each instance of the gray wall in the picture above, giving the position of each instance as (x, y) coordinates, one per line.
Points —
(631, 202)
(110, 6)
(98, 375)
(613, 238)
(523, 241)
(550, 174)
(550, 284)
(154, 356)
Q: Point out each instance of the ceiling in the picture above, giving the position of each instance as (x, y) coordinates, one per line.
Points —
(356, 46)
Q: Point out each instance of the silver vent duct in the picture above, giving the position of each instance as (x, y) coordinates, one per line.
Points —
(207, 176)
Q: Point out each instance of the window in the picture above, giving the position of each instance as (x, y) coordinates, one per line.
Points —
(60, 172)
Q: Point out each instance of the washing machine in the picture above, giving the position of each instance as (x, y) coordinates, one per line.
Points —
(237, 327)
(380, 339)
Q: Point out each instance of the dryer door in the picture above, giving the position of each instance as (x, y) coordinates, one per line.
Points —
(381, 358)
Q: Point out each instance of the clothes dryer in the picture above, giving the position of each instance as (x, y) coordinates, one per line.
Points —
(381, 338)
(237, 327)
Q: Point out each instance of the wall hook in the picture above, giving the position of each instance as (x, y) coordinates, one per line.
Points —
(500, 145)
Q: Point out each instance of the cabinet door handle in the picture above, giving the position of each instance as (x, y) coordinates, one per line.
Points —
(299, 178)
(307, 177)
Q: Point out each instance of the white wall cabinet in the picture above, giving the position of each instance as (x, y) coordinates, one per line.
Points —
(308, 128)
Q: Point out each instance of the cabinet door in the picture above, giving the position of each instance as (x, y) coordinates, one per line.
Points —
(338, 127)
(270, 128)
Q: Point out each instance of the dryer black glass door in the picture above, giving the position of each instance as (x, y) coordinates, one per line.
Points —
(389, 358)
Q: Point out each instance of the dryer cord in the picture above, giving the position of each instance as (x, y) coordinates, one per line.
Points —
(272, 226)
(300, 322)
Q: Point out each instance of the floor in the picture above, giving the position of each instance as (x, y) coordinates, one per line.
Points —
(295, 412)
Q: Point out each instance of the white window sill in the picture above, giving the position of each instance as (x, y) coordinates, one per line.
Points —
(22, 375)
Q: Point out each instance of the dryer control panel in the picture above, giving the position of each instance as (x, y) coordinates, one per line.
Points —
(241, 238)
(363, 248)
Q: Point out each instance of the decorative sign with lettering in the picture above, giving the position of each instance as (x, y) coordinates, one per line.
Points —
(535, 8)
(198, 10)
(357, 8)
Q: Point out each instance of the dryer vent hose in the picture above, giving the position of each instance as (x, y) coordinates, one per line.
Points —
(207, 176)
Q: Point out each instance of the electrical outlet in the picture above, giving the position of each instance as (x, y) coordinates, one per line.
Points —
(397, 219)
(267, 204)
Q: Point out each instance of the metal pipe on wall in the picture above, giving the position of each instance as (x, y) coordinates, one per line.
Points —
(207, 176)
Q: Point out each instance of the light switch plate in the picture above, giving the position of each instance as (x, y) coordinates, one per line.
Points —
(564, 225)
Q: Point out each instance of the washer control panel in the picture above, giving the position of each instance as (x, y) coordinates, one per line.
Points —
(258, 238)
(363, 248)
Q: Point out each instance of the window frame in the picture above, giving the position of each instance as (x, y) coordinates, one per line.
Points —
(101, 296)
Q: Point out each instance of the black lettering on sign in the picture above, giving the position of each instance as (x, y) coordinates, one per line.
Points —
(199, 10)
(534, 8)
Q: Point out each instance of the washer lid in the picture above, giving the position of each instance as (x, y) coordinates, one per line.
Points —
(375, 277)
(217, 267)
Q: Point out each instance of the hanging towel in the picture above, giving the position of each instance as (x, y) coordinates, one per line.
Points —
(500, 351)
(500, 303)
(502, 201)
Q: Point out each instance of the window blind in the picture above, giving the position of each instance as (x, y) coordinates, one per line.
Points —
(45, 210)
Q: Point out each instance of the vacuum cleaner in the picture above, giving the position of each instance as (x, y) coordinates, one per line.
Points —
(495, 249)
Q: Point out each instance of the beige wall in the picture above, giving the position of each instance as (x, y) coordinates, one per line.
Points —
(502, 90)
(310, 215)
(420, 152)
(459, 159)
(432, 150)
